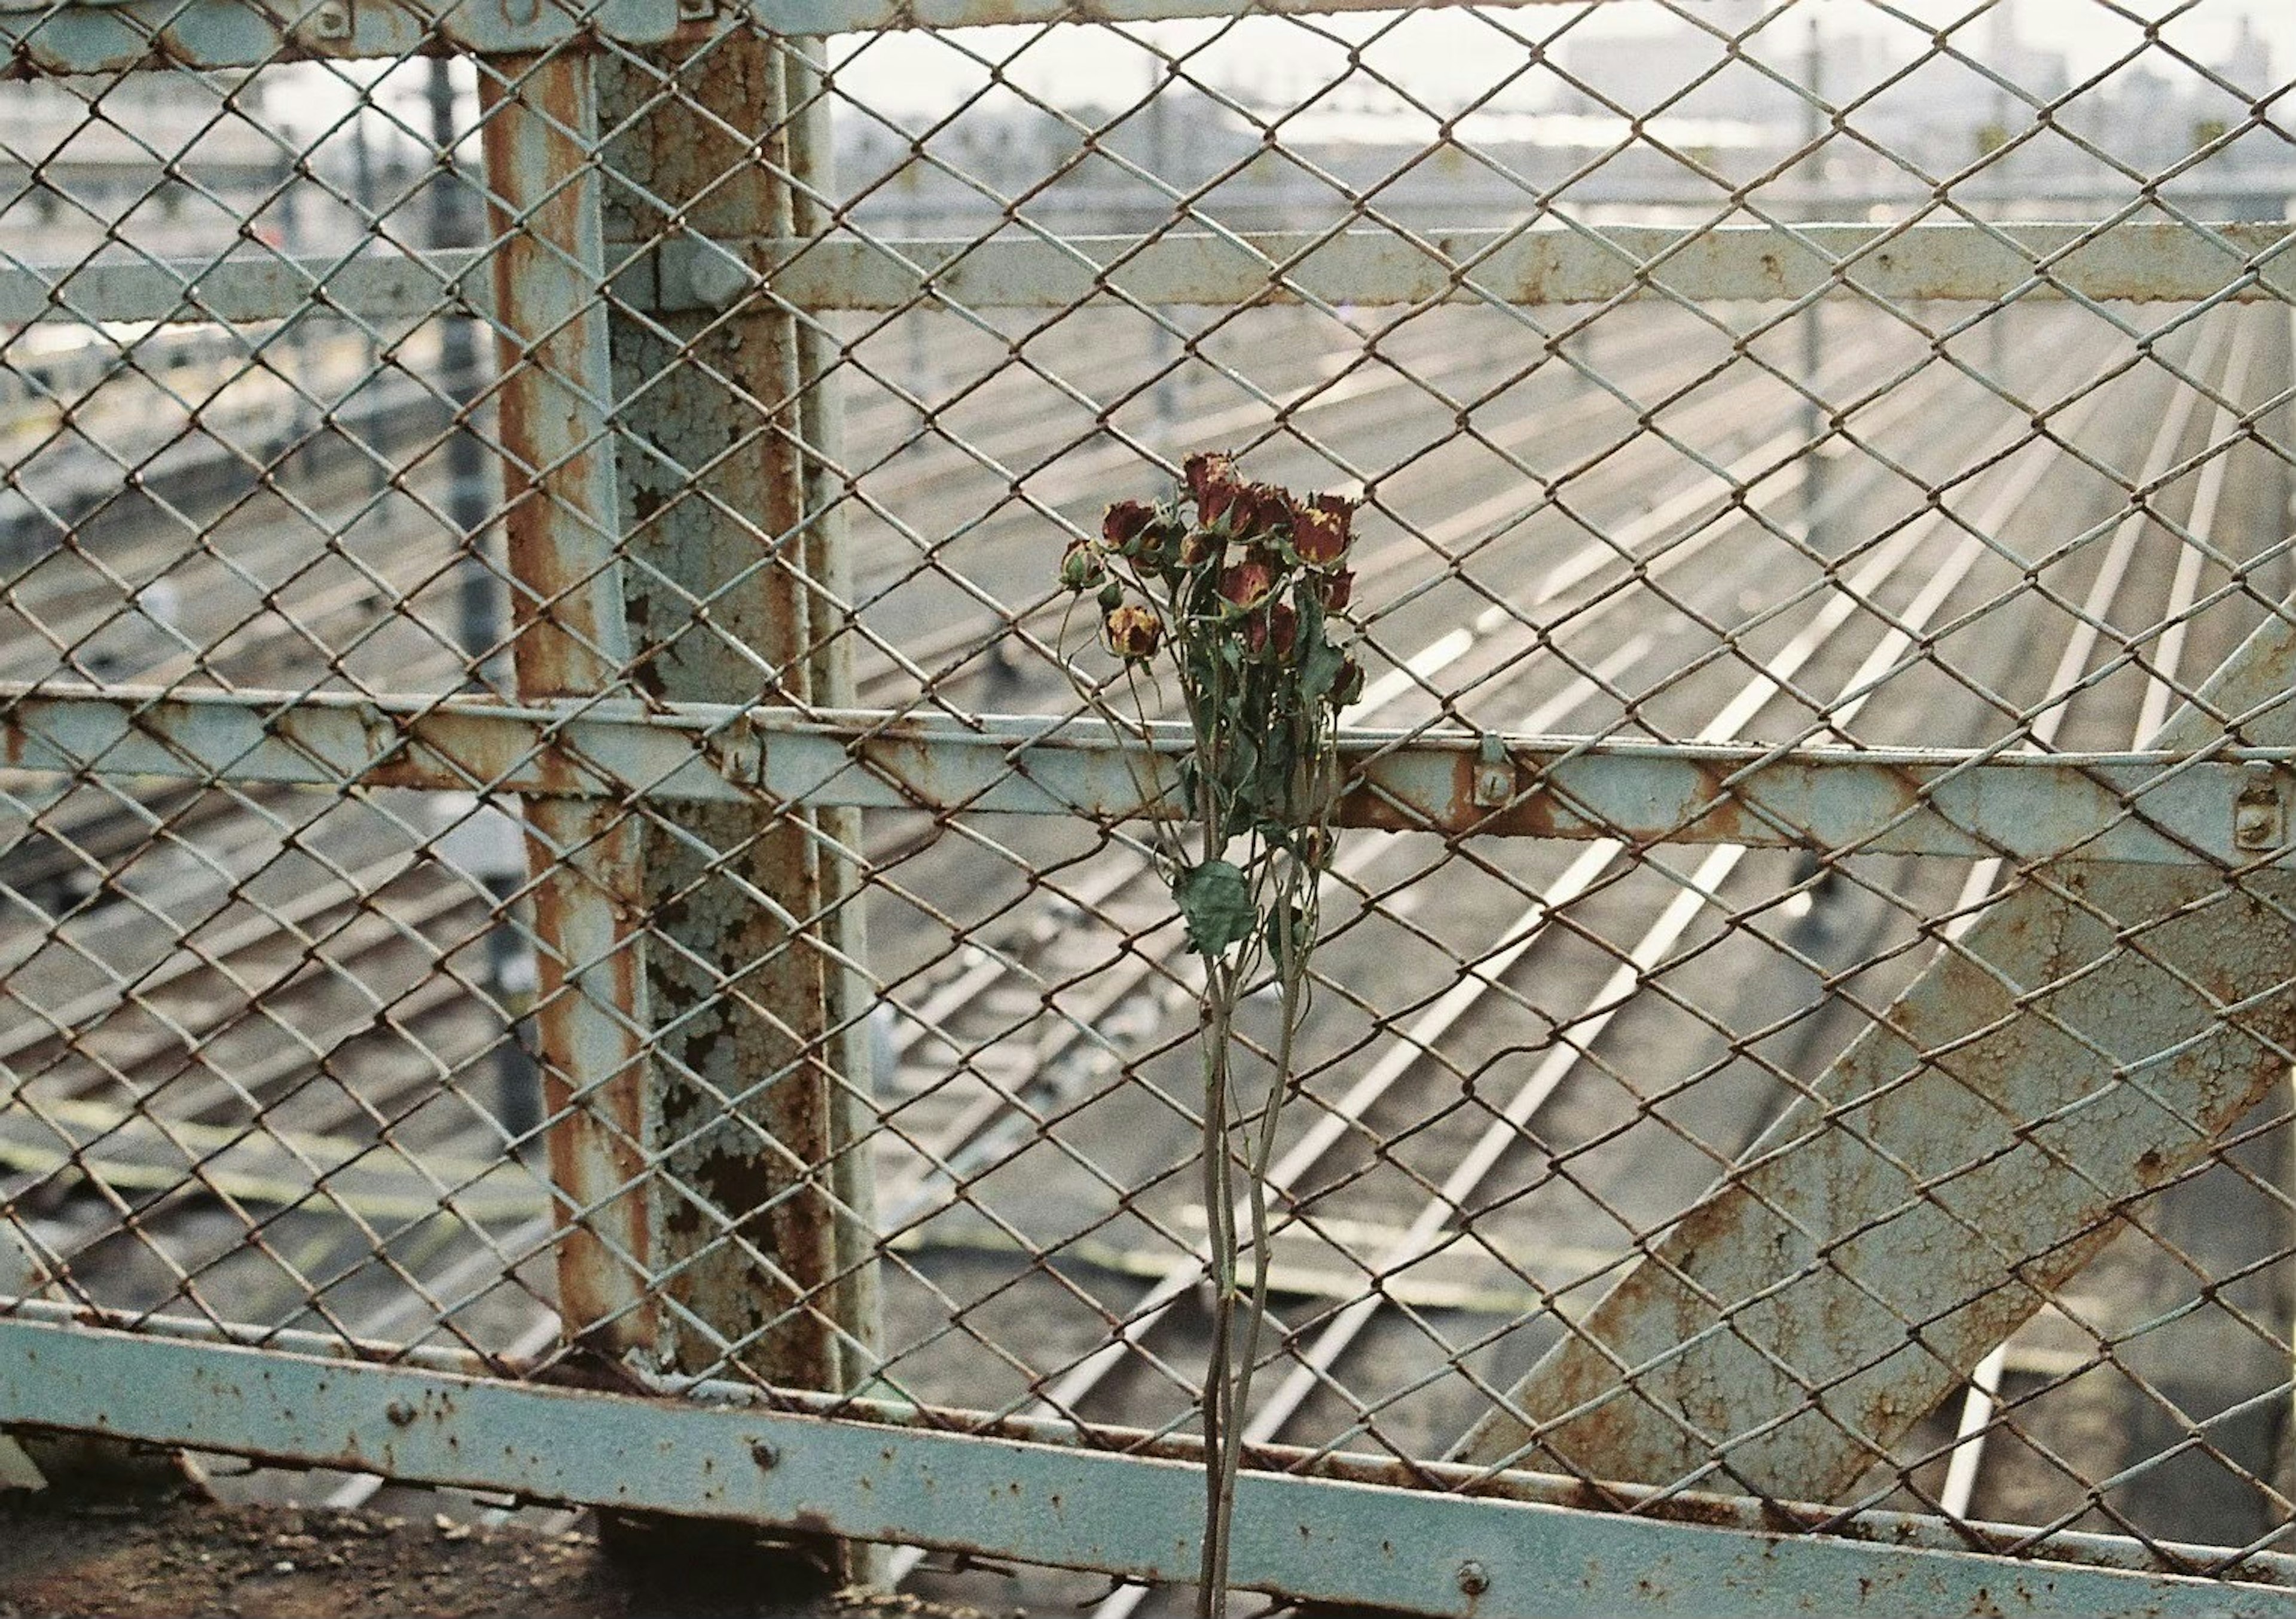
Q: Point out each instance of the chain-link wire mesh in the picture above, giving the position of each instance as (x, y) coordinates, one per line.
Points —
(512, 563)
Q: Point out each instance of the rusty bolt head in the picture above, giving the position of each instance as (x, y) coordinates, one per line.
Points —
(764, 1454)
(1474, 1580)
(400, 1413)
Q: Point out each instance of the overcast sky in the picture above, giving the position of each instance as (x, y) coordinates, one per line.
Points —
(1444, 53)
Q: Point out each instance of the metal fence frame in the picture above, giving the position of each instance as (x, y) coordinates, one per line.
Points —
(578, 747)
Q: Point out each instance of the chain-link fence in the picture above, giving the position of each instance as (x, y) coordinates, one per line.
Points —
(562, 833)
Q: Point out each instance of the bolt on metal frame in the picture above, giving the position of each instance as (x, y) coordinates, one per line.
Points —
(675, 708)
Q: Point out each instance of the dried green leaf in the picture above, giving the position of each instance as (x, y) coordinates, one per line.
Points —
(1214, 901)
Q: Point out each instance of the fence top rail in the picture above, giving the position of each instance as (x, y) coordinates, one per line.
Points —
(83, 37)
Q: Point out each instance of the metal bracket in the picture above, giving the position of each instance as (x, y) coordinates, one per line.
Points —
(2258, 818)
(696, 272)
(1495, 776)
(331, 20)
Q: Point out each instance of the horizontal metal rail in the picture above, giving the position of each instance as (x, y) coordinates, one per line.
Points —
(1955, 262)
(94, 37)
(90, 36)
(2227, 807)
(1311, 1539)
(2239, 262)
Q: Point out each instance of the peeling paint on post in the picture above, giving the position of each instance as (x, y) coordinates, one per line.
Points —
(560, 522)
(734, 589)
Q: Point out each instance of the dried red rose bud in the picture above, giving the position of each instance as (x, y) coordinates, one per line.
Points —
(1272, 508)
(1243, 585)
(1205, 470)
(1080, 566)
(1350, 684)
(1198, 548)
(1218, 494)
(1335, 591)
(1123, 525)
(1132, 633)
(1320, 535)
(1160, 541)
(1273, 634)
(1313, 844)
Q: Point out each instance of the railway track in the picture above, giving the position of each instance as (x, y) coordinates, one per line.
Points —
(1503, 1093)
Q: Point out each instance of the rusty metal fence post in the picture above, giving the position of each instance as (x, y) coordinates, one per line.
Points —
(571, 642)
(672, 541)
(719, 493)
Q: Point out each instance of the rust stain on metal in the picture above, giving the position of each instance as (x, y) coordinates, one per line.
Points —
(559, 521)
(748, 1083)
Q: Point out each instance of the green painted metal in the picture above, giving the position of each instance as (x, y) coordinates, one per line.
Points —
(767, 1226)
(2238, 262)
(1560, 264)
(97, 38)
(563, 533)
(2081, 1045)
(1312, 1538)
(2214, 805)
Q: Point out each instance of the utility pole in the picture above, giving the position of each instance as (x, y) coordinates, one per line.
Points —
(1815, 126)
(1993, 142)
(363, 200)
(454, 226)
(1165, 349)
(495, 857)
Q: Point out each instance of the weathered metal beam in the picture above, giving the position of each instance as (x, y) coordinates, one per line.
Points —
(2242, 261)
(562, 528)
(1311, 1539)
(878, 16)
(99, 37)
(1552, 266)
(767, 1225)
(94, 37)
(2228, 807)
(2080, 1046)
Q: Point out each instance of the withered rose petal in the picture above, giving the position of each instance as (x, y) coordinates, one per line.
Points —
(1132, 633)
(1334, 591)
(1319, 537)
(1282, 628)
(1248, 582)
(1275, 631)
(1124, 522)
(1204, 471)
